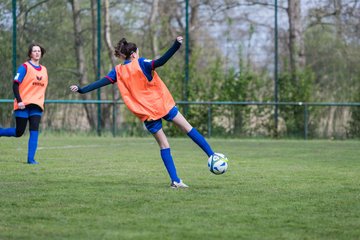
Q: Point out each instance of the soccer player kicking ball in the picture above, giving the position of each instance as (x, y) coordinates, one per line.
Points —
(146, 95)
(29, 88)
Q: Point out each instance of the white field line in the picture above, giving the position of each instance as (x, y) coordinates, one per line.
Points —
(71, 147)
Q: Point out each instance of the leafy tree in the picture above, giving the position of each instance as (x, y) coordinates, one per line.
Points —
(354, 123)
(290, 91)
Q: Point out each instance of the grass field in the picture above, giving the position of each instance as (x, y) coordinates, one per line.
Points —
(117, 188)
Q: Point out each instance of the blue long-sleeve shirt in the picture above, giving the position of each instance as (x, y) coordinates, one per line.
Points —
(146, 65)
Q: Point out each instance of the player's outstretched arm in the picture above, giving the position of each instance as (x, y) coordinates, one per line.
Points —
(169, 53)
(92, 86)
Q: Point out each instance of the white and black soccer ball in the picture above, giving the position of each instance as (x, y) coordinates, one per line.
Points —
(218, 163)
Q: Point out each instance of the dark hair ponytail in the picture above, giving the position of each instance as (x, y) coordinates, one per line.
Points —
(124, 49)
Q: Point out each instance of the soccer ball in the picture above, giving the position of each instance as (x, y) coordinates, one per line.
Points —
(217, 163)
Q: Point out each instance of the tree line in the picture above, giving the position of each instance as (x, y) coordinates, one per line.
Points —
(231, 53)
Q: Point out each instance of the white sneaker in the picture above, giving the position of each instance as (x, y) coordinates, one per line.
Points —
(178, 184)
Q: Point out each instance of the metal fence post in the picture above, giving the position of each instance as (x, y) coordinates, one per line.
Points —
(276, 80)
(14, 37)
(305, 121)
(187, 47)
(114, 119)
(98, 73)
(209, 120)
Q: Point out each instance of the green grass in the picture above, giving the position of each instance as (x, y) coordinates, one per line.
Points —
(117, 188)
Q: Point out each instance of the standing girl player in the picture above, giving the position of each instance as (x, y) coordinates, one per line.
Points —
(146, 95)
(29, 88)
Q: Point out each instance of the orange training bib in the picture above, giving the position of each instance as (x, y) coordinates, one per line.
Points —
(32, 88)
(148, 100)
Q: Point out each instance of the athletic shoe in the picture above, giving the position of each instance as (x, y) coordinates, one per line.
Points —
(180, 184)
(32, 162)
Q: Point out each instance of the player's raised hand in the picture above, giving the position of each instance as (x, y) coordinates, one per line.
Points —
(179, 39)
(74, 88)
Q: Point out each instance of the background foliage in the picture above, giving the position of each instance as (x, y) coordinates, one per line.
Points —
(231, 59)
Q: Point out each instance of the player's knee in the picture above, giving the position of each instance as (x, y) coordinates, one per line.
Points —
(34, 128)
(19, 132)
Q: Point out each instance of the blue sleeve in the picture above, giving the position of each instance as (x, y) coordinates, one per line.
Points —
(109, 78)
(169, 53)
(21, 72)
(112, 75)
(146, 67)
(95, 85)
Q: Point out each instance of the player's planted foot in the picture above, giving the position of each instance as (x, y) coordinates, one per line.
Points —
(180, 184)
(32, 162)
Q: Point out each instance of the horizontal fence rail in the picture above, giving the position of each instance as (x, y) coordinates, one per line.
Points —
(329, 104)
(209, 104)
